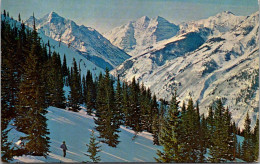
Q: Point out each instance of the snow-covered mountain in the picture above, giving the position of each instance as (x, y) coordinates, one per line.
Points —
(63, 49)
(86, 40)
(143, 32)
(207, 63)
(218, 24)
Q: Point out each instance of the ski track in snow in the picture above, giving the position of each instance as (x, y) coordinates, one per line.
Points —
(115, 156)
(142, 134)
(146, 146)
(60, 158)
(27, 159)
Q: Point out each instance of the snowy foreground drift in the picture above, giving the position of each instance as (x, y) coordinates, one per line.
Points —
(75, 129)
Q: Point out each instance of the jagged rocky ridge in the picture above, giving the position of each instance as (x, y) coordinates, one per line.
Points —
(143, 32)
(86, 40)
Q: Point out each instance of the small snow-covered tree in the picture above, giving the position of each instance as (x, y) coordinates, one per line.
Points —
(93, 149)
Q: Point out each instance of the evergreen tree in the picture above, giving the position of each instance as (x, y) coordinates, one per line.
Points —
(125, 104)
(219, 148)
(247, 145)
(93, 149)
(118, 102)
(107, 122)
(203, 139)
(31, 118)
(156, 129)
(4, 13)
(75, 86)
(230, 137)
(211, 129)
(155, 121)
(55, 82)
(239, 151)
(183, 109)
(19, 17)
(190, 134)
(256, 140)
(172, 148)
(135, 113)
(64, 66)
(89, 93)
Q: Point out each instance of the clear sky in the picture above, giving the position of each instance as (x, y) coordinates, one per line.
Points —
(106, 14)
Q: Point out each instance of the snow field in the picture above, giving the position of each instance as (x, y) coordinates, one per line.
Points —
(75, 129)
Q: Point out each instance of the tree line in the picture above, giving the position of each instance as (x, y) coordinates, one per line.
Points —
(186, 136)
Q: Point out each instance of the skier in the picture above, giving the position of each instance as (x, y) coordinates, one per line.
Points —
(64, 148)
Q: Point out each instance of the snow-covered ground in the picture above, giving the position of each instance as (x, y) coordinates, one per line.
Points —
(75, 129)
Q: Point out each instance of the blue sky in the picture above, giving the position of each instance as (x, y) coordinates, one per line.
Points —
(106, 14)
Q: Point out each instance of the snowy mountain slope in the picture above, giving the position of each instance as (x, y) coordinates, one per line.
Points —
(219, 24)
(86, 40)
(143, 32)
(62, 49)
(71, 53)
(75, 129)
(222, 66)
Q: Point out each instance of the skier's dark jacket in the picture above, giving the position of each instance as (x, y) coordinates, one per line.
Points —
(63, 146)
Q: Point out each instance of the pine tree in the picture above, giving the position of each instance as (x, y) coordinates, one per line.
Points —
(230, 137)
(220, 140)
(19, 17)
(125, 104)
(190, 133)
(156, 129)
(107, 122)
(118, 102)
(155, 120)
(247, 145)
(172, 148)
(55, 83)
(93, 149)
(135, 112)
(75, 86)
(64, 66)
(31, 118)
(203, 133)
(89, 93)
(239, 153)
(211, 129)
(256, 140)
(4, 13)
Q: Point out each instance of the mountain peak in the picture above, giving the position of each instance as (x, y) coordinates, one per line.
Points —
(143, 19)
(53, 14)
(225, 13)
(159, 18)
